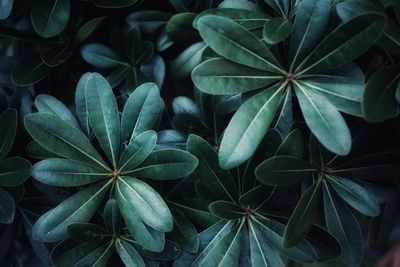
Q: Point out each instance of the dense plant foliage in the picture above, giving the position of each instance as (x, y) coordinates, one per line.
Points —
(198, 132)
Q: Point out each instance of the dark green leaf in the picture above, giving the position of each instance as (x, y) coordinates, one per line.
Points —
(180, 28)
(112, 216)
(292, 145)
(184, 63)
(284, 171)
(7, 207)
(184, 232)
(88, 28)
(86, 232)
(215, 179)
(8, 129)
(344, 227)
(301, 219)
(379, 101)
(226, 210)
(14, 171)
(29, 71)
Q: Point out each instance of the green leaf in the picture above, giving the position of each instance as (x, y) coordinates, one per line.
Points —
(114, 3)
(141, 111)
(88, 28)
(59, 137)
(180, 28)
(8, 129)
(344, 227)
(80, 103)
(185, 62)
(235, 43)
(381, 227)
(14, 171)
(382, 166)
(379, 101)
(301, 219)
(280, 6)
(226, 210)
(101, 56)
(56, 56)
(284, 171)
(312, 18)
(112, 216)
(224, 249)
(276, 30)
(148, 20)
(137, 151)
(216, 179)
(147, 237)
(273, 231)
(50, 18)
(355, 195)
(5, 8)
(342, 87)
(170, 252)
(184, 232)
(7, 207)
(86, 232)
(49, 104)
(262, 253)
(128, 254)
(323, 119)
(292, 145)
(145, 201)
(219, 76)
(196, 209)
(103, 115)
(80, 207)
(71, 253)
(166, 164)
(345, 43)
(249, 19)
(66, 172)
(29, 71)
(248, 126)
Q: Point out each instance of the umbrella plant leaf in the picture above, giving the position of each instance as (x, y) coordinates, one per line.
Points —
(247, 127)
(233, 42)
(80, 207)
(103, 115)
(8, 129)
(323, 119)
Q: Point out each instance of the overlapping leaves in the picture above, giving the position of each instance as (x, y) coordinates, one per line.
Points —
(127, 156)
(317, 72)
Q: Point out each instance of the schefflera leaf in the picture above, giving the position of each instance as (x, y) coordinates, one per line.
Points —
(13, 170)
(318, 72)
(244, 236)
(129, 148)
